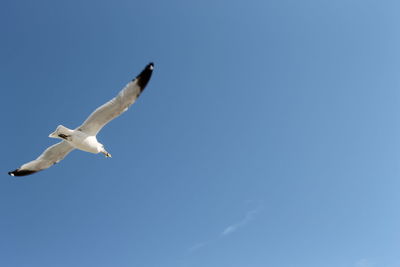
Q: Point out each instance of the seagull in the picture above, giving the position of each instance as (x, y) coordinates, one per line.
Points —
(84, 137)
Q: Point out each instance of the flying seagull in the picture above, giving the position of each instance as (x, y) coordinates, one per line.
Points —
(84, 137)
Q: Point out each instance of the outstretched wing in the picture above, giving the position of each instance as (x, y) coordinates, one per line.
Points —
(113, 108)
(50, 156)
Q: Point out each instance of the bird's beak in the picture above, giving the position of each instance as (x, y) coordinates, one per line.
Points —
(108, 155)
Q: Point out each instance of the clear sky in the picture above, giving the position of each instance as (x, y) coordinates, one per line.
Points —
(268, 135)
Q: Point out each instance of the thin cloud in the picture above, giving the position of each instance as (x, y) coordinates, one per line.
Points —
(197, 246)
(230, 229)
(364, 263)
(250, 216)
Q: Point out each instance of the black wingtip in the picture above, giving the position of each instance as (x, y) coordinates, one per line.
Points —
(18, 172)
(144, 77)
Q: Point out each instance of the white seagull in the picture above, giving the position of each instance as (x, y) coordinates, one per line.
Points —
(84, 137)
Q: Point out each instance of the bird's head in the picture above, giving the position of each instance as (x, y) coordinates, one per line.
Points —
(103, 150)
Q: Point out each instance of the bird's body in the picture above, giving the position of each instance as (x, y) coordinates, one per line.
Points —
(84, 137)
(78, 139)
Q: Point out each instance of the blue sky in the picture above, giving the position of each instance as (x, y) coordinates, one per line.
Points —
(268, 135)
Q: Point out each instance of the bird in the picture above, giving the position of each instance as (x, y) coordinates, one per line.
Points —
(84, 137)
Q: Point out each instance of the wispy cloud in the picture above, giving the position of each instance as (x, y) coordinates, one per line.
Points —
(250, 215)
(197, 246)
(230, 229)
(364, 263)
